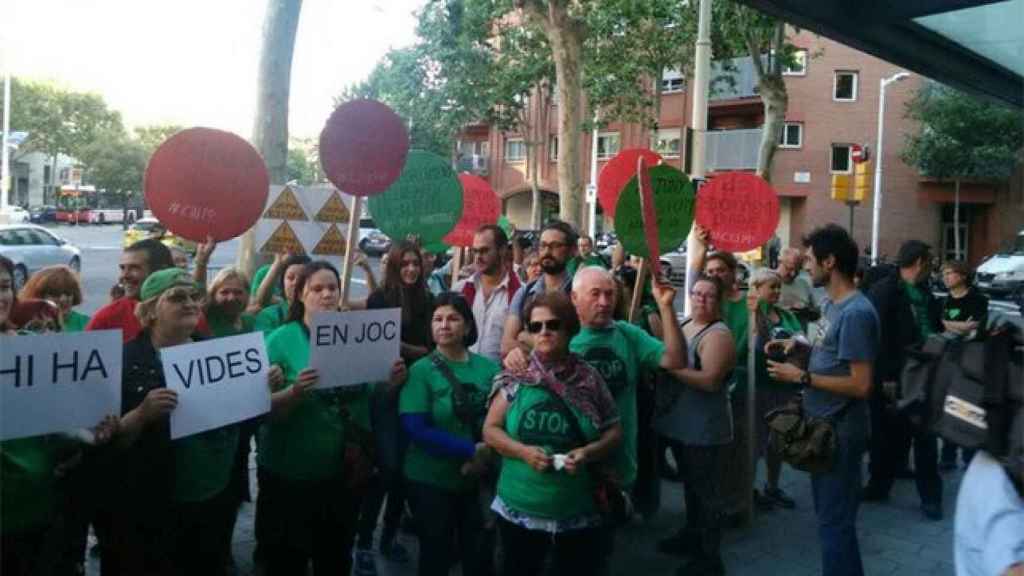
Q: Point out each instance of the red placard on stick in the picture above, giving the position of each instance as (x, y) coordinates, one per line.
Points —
(479, 206)
(204, 182)
(363, 147)
(617, 173)
(647, 212)
(739, 209)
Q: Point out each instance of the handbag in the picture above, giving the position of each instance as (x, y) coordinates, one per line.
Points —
(463, 408)
(805, 442)
(360, 445)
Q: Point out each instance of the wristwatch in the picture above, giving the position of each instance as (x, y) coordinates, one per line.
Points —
(805, 378)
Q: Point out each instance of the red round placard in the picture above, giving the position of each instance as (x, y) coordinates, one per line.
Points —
(363, 147)
(618, 172)
(205, 182)
(740, 210)
(479, 206)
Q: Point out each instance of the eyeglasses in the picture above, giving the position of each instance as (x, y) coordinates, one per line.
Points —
(703, 295)
(181, 296)
(552, 246)
(553, 325)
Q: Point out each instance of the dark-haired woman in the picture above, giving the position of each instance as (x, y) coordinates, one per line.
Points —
(281, 277)
(305, 512)
(404, 286)
(551, 423)
(442, 408)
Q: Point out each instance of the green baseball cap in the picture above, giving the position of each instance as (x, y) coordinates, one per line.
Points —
(159, 282)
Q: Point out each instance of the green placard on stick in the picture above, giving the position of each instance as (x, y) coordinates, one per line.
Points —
(674, 203)
(425, 201)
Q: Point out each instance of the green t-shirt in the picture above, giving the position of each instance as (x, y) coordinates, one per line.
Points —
(272, 317)
(535, 418)
(919, 304)
(203, 463)
(618, 353)
(737, 318)
(257, 279)
(75, 322)
(788, 321)
(428, 392)
(583, 261)
(220, 326)
(308, 443)
(28, 488)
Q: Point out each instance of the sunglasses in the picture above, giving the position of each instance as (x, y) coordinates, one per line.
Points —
(553, 325)
(182, 296)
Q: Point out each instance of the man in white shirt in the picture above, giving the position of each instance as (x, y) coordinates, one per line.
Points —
(489, 290)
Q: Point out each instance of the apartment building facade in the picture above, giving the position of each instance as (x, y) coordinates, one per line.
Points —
(833, 105)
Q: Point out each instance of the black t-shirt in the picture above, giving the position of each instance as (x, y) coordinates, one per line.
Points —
(972, 307)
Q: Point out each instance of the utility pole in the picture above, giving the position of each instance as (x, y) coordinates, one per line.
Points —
(877, 208)
(699, 126)
(5, 177)
(592, 187)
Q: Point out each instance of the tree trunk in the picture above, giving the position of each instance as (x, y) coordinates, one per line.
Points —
(956, 219)
(565, 35)
(776, 100)
(270, 132)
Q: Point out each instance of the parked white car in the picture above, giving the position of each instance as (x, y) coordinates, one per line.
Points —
(33, 247)
(15, 215)
(1003, 274)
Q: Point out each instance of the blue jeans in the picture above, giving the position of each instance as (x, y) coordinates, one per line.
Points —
(836, 499)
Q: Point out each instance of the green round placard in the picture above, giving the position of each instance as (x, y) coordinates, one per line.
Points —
(425, 201)
(674, 203)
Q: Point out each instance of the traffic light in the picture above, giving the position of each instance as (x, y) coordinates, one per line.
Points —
(854, 187)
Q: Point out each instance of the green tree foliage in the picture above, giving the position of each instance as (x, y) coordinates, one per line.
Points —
(116, 166)
(151, 137)
(303, 163)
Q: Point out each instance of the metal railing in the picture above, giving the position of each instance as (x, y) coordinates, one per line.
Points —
(474, 164)
(732, 149)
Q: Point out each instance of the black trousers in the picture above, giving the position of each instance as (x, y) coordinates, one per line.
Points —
(705, 506)
(389, 485)
(298, 522)
(892, 435)
(573, 551)
(449, 525)
(202, 534)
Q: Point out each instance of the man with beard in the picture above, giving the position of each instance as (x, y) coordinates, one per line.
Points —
(797, 294)
(489, 290)
(836, 384)
(556, 249)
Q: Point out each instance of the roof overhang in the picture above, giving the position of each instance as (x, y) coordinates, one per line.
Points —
(973, 45)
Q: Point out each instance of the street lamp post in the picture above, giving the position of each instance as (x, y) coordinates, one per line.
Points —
(877, 211)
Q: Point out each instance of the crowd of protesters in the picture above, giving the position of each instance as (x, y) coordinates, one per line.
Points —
(531, 409)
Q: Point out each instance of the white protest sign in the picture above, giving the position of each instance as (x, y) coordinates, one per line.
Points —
(305, 220)
(219, 382)
(349, 348)
(58, 382)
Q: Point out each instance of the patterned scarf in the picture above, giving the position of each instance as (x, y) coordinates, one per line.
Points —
(572, 379)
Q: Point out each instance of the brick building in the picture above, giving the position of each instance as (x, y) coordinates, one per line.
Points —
(833, 103)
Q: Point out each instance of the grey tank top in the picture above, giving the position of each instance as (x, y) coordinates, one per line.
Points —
(699, 418)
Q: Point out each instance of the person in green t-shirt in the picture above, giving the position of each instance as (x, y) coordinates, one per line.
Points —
(306, 510)
(552, 421)
(442, 408)
(60, 285)
(587, 256)
(282, 276)
(773, 323)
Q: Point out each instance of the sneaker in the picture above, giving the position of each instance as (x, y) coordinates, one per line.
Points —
(682, 544)
(779, 498)
(763, 502)
(702, 566)
(932, 512)
(365, 563)
(395, 552)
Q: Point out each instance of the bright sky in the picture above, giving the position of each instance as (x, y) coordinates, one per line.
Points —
(194, 62)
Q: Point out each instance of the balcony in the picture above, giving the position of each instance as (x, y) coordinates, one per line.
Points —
(743, 84)
(732, 149)
(474, 164)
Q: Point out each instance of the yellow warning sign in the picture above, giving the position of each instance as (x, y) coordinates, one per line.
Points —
(283, 241)
(286, 207)
(333, 210)
(332, 243)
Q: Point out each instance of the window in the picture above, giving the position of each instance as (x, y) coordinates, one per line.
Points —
(553, 148)
(842, 159)
(666, 142)
(792, 135)
(799, 67)
(515, 150)
(607, 145)
(671, 81)
(844, 87)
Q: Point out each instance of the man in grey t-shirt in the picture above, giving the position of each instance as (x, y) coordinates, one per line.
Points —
(836, 383)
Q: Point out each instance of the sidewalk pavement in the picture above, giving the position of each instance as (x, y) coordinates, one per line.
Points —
(894, 537)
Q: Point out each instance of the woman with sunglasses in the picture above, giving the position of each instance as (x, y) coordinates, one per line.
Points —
(306, 511)
(33, 470)
(699, 427)
(551, 424)
(442, 408)
(60, 285)
(171, 500)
